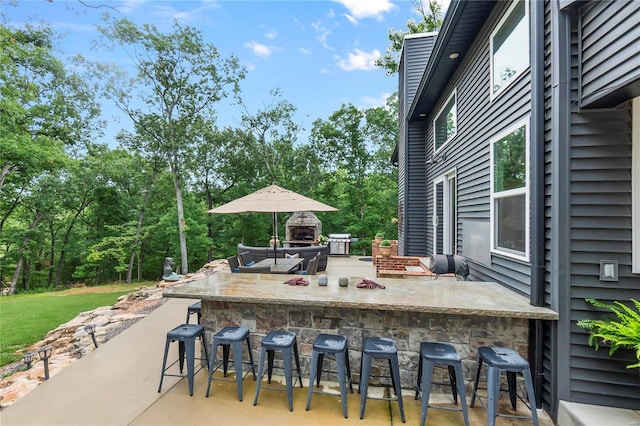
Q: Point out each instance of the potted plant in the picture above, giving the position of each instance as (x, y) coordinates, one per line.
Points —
(385, 248)
(378, 238)
(620, 332)
(322, 240)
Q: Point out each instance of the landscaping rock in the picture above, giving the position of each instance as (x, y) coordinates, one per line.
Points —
(70, 341)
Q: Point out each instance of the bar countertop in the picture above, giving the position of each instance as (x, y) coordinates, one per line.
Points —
(409, 295)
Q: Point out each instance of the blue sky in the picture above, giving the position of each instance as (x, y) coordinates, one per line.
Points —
(318, 53)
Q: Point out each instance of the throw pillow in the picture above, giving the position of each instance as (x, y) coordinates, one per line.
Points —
(292, 256)
(253, 262)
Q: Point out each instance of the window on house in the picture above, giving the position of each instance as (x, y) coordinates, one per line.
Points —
(635, 185)
(509, 193)
(509, 47)
(445, 126)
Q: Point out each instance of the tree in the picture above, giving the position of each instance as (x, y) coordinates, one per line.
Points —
(43, 108)
(431, 21)
(274, 132)
(179, 80)
(352, 144)
(45, 111)
(219, 167)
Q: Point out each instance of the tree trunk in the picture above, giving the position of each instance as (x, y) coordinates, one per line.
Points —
(135, 249)
(181, 224)
(16, 275)
(25, 275)
(65, 239)
(56, 282)
(136, 242)
(6, 169)
(52, 255)
(209, 227)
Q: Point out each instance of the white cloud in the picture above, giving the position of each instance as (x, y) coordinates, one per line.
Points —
(359, 9)
(359, 60)
(258, 48)
(271, 35)
(322, 34)
(169, 12)
(370, 102)
(305, 50)
(351, 19)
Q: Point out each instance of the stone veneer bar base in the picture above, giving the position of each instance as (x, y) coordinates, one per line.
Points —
(465, 332)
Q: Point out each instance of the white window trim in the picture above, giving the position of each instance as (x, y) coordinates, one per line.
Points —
(511, 192)
(635, 185)
(498, 27)
(446, 209)
(453, 95)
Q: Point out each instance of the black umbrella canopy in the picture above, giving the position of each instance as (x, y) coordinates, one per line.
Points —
(273, 199)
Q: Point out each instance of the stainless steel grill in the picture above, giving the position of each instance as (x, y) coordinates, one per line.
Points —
(339, 244)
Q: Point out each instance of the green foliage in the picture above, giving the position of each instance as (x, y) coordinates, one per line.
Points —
(353, 147)
(323, 240)
(385, 243)
(274, 132)
(431, 21)
(26, 319)
(509, 161)
(379, 235)
(620, 332)
(179, 80)
(75, 211)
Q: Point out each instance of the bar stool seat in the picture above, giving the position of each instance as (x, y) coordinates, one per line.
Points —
(379, 348)
(442, 354)
(330, 344)
(286, 343)
(194, 308)
(509, 361)
(231, 338)
(185, 335)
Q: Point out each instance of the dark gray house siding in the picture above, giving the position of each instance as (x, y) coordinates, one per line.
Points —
(600, 193)
(479, 119)
(600, 229)
(609, 62)
(549, 386)
(412, 207)
(582, 93)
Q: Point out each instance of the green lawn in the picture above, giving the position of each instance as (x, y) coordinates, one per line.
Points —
(26, 319)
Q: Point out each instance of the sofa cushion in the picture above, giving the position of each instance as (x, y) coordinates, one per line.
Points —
(307, 253)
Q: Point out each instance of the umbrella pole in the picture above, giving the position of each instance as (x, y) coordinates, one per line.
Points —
(275, 238)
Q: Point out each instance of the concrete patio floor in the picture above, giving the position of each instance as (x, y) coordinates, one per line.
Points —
(117, 385)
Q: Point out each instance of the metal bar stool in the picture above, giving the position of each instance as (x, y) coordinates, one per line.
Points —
(442, 354)
(185, 335)
(330, 344)
(509, 361)
(279, 341)
(194, 309)
(383, 348)
(231, 338)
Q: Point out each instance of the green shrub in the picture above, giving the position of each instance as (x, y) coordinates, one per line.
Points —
(620, 332)
(385, 243)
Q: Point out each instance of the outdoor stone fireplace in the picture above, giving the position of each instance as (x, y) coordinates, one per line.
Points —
(302, 229)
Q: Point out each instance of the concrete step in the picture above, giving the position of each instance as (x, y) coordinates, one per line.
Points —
(575, 414)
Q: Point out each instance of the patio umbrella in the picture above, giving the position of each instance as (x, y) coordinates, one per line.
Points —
(273, 199)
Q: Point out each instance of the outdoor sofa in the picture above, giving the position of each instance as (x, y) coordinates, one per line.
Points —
(308, 253)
